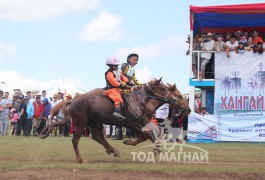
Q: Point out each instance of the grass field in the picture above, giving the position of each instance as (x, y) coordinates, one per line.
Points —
(20, 155)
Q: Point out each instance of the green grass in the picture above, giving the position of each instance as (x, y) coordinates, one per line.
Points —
(57, 152)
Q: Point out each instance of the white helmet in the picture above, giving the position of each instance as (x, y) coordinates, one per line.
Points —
(113, 61)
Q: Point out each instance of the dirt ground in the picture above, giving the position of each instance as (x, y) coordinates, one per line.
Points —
(117, 175)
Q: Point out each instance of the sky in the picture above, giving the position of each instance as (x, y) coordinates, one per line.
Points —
(46, 43)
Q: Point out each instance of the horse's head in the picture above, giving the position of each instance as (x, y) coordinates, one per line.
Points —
(181, 104)
(160, 91)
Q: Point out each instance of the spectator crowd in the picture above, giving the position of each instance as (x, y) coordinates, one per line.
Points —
(238, 42)
(29, 114)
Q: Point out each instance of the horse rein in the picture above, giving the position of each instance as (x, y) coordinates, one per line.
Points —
(163, 98)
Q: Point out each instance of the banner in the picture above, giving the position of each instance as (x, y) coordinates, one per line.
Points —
(227, 127)
(202, 127)
(241, 127)
(239, 82)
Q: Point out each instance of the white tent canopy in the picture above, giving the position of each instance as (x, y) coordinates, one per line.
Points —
(66, 89)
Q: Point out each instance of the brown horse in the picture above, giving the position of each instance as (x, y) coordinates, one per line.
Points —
(97, 110)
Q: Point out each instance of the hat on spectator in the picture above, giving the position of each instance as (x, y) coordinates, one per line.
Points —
(228, 33)
(45, 100)
(21, 97)
(238, 32)
(210, 34)
(69, 95)
(26, 98)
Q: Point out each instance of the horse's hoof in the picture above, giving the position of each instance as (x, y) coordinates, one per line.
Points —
(108, 152)
(116, 154)
(127, 142)
(80, 160)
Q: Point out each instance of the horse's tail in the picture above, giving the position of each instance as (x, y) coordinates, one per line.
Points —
(46, 132)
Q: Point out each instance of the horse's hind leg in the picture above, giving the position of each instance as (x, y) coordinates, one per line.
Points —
(96, 130)
(109, 148)
(75, 141)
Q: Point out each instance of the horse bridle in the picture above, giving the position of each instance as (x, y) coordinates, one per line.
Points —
(160, 97)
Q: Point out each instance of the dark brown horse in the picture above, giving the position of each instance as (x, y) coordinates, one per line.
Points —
(97, 110)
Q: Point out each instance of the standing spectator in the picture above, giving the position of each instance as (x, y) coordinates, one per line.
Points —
(206, 45)
(241, 48)
(38, 111)
(249, 45)
(59, 96)
(177, 124)
(243, 40)
(198, 105)
(22, 119)
(196, 47)
(6, 104)
(54, 100)
(258, 48)
(219, 45)
(1, 94)
(15, 103)
(246, 34)
(13, 119)
(227, 37)
(30, 112)
(44, 95)
(67, 125)
(238, 34)
(161, 114)
(31, 99)
(256, 37)
(231, 45)
(46, 113)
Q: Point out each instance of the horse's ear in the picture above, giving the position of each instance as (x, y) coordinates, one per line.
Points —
(174, 86)
(159, 80)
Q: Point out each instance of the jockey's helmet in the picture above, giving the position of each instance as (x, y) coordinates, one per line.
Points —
(113, 61)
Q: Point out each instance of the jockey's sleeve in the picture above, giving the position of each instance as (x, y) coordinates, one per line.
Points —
(124, 68)
(124, 78)
(135, 80)
(112, 80)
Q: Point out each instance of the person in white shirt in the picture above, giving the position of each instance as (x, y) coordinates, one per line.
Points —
(162, 113)
(5, 104)
(45, 96)
(231, 45)
(206, 45)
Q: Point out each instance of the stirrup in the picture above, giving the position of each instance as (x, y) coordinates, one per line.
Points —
(118, 115)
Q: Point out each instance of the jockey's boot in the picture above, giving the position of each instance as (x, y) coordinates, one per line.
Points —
(117, 113)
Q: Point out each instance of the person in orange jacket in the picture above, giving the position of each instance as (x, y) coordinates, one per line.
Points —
(115, 81)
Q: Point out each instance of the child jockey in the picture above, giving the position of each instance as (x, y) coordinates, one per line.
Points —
(115, 80)
(128, 70)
